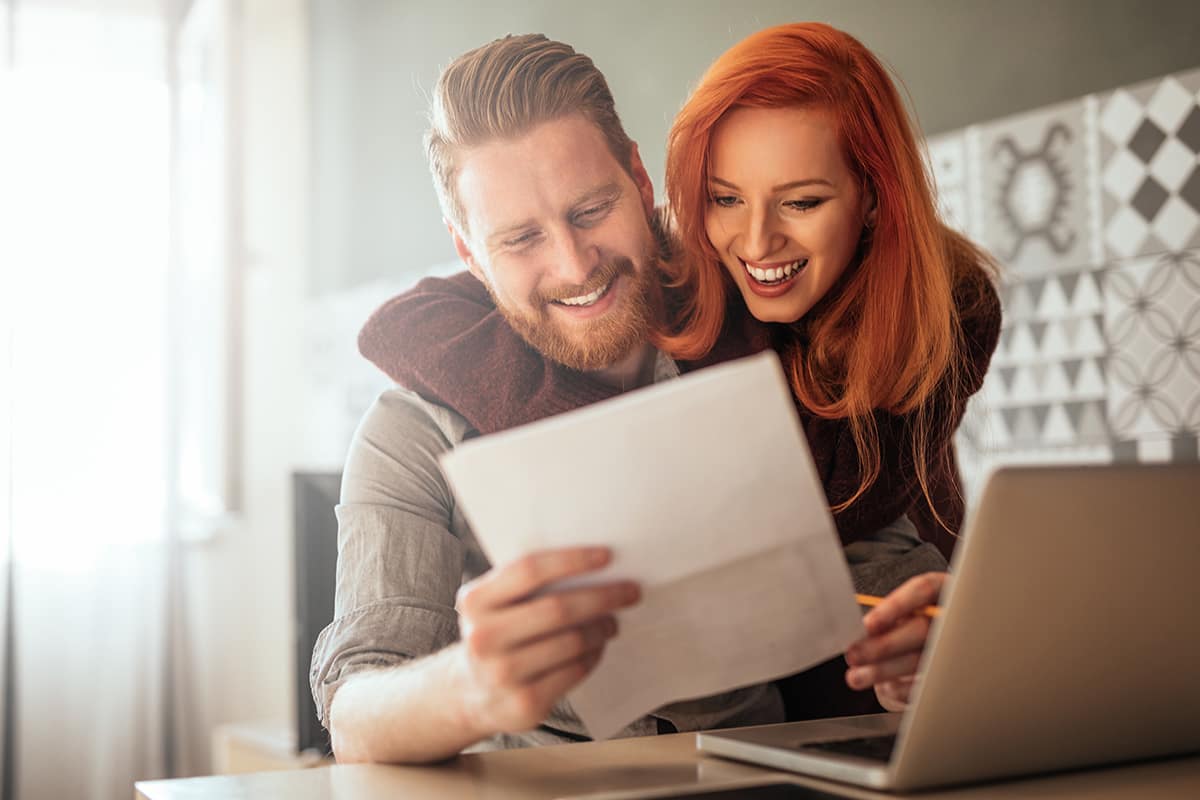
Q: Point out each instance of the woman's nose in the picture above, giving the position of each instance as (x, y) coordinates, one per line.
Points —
(761, 239)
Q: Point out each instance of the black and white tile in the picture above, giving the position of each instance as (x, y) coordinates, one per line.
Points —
(1035, 189)
(1150, 166)
(1092, 208)
(1152, 321)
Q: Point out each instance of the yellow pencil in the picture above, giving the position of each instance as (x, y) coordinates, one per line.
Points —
(872, 600)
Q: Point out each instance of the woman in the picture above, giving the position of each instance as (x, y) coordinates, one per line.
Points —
(805, 221)
(794, 175)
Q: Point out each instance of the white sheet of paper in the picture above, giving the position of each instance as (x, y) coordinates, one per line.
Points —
(705, 490)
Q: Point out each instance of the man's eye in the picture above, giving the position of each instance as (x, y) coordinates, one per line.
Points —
(523, 239)
(593, 213)
(724, 200)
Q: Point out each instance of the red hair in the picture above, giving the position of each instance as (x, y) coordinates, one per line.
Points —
(887, 336)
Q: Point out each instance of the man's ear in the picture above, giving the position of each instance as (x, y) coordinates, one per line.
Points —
(641, 178)
(464, 252)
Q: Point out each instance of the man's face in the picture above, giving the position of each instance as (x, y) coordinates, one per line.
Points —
(560, 235)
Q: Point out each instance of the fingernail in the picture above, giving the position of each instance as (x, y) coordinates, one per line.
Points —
(598, 556)
(857, 678)
(631, 593)
(852, 656)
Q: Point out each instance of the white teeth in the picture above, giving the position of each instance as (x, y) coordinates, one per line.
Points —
(586, 299)
(776, 273)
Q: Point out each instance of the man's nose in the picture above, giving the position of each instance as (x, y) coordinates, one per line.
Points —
(761, 239)
(574, 258)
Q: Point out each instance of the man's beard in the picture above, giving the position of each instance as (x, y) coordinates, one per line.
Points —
(602, 342)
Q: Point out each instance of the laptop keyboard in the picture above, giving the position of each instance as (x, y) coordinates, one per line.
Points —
(873, 748)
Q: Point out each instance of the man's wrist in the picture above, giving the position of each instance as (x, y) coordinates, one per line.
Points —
(466, 716)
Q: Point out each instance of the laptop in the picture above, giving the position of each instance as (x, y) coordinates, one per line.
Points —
(1069, 636)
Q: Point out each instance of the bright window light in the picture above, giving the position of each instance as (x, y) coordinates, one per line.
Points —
(84, 210)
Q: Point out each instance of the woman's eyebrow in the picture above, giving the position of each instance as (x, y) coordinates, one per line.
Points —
(783, 187)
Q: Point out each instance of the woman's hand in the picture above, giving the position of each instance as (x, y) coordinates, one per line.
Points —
(887, 656)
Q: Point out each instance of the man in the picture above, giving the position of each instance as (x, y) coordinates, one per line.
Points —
(550, 208)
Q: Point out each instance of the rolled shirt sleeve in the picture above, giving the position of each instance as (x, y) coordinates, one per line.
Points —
(401, 557)
(404, 549)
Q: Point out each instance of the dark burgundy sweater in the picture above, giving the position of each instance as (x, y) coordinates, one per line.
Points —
(445, 340)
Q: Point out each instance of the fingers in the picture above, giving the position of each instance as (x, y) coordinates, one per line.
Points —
(894, 695)
(510, 627)
(525, 576)
(900, 667)
(892, 652)
(907, 637)
(521, 707)
(544, 693)
(524, 649)
(528, 664)
(905, 600)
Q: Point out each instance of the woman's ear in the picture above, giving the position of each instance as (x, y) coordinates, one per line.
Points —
(870, 205)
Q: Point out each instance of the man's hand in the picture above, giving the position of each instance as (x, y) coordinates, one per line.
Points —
(522, 651)
(888, 655)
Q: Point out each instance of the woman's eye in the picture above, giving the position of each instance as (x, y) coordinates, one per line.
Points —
(724, 200)
(804, 205)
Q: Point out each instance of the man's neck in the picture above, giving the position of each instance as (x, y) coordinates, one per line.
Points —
(632, 372)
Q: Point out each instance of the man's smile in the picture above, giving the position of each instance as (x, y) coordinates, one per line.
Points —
(592, 304)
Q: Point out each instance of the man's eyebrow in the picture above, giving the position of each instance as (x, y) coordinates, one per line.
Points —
(608, 191)
(783, 187)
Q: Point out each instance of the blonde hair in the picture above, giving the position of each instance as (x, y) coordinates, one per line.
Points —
(503, 90)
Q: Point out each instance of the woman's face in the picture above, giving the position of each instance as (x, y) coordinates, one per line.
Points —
(785, 212)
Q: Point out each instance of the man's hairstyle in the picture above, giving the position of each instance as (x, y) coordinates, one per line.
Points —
(503, 90)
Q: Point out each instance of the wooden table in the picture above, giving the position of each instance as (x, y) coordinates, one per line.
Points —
(647, 763)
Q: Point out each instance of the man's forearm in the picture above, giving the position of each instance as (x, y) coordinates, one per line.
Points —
(404, 715)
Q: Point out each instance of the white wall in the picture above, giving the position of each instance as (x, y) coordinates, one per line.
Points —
(963, 61)
(239, 585)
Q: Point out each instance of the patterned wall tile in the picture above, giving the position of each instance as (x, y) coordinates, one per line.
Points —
(1150, 166)
(1152, 322)
(948, 161)
(976, 464)
(1047, 384)
(1036, 190)
(1093, 210)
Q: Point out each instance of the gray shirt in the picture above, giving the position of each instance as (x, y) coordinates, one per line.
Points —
(404, 548)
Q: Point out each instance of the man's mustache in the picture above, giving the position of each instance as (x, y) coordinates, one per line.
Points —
(600, 277)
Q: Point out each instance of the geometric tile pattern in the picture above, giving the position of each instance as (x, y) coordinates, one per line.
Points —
(1047, 383)
(1092, 208)
(1035, 188)
(1152, 320)
(1150, 166)
(948, 160)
